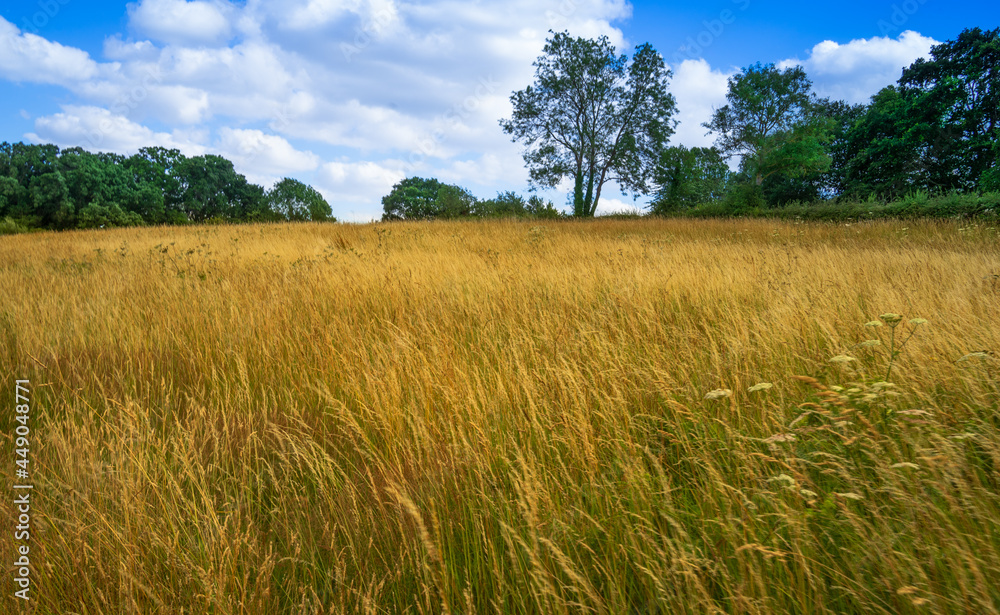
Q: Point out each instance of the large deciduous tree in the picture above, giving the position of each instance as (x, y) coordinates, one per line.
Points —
(211, 188)
(772, 121)
(594, 116)
(296, 201)
(413, 198)
(957, 107)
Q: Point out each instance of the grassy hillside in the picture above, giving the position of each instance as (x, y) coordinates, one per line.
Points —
(502, 417)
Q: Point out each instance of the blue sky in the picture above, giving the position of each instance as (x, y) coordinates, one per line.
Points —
(353, 95)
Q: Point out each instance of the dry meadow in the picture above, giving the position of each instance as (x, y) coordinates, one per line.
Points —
(616, 416)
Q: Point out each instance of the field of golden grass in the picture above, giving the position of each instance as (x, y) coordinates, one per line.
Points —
(507, 417)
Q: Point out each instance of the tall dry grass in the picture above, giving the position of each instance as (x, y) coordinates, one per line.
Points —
(502, 417)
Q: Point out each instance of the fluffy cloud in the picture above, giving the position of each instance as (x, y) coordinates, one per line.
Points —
(494, 171)
(699, 90)
(98, 129)
(30, 58)
(856, 70)
(261, 154)
(181, 22)
(354, 189)
(377, 17)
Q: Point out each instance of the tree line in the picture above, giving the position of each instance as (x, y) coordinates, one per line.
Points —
(418, 198)
(42, 186)
(594, 116)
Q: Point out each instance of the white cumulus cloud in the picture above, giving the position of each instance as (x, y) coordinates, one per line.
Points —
(26, 57)
(856, 70)
(355, 189)
(181, 22)
(263, 154)
(699, 90)
(98, 129)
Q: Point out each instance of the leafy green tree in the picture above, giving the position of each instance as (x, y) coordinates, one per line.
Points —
(505, 204)
(51, 200)
(990, 181)
(41, 186)
(772, 121)
(883, 158)
(101, 189)
(202, 179)
(14, 202)
(593, 116)
(957, 108)
(413, 198)
(454, 202)
(153, 171)
(843, 118)
(538, 207)
(688, 177)
(211, 188)
(937, 129)
(247, 202)
(24, 162)
(780, 188)
(294, 200)
(99, 215)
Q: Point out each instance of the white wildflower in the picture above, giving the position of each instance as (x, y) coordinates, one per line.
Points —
(718, 394)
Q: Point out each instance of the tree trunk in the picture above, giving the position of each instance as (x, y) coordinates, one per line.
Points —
(590, 192)
(597, 196)
(578, 204)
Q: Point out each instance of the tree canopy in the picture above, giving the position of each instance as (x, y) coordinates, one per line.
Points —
(771, 121)
(418, 198)
(297, 201)
(937, 129)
